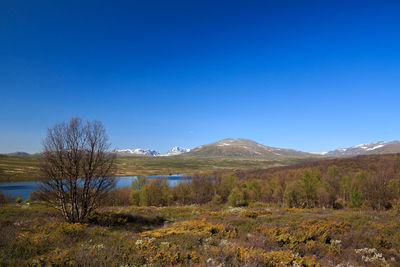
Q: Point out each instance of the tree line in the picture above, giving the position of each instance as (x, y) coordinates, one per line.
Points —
(334, 187)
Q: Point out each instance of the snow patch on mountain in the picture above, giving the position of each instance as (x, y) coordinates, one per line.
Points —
(224, 144)
(138, 152)
(177, 150)
(319, 153)
(359, 149)
(375, 147)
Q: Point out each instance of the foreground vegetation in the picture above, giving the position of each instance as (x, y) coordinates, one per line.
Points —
(14, 168)
(340, 212)
(259, 234)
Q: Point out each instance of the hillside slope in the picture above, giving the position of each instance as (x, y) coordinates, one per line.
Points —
(351, 165)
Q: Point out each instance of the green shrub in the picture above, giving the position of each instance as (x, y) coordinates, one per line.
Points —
(134, 197)
(155, 193)
(293, 195)
(238, 197)
(139, 182)
(309, 183)
(225, 185)
(356, 198)
(183, 193)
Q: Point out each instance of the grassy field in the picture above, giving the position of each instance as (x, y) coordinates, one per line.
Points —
(258, 235)
(13, 168)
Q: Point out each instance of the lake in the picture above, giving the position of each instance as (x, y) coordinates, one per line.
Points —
(24, 188)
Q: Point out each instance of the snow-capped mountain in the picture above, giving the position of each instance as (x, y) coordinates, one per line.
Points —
(380, 147)
(152, 153)
(138, 152)
(177, 150)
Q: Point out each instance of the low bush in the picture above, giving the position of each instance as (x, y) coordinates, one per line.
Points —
(117, 197)
(73, 231)
(3, 199)
(249, 213)
(110, 219)
(37, 196)
(238, 197)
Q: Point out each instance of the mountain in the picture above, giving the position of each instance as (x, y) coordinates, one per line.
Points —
(243, 148)
(175, 151)
(137, 152)
(380, 147)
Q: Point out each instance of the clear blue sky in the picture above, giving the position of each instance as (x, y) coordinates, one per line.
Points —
(308, 75)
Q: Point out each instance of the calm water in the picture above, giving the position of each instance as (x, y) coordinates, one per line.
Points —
(23, 189)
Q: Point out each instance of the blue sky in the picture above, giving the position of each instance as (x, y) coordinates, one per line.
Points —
(308, 75)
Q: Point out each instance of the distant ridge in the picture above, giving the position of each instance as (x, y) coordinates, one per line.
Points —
(244, 148)
(380, 147)
(18, 154)
(137, 152)
(175, 151)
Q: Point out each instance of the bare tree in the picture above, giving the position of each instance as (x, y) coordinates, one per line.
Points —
(77, 168)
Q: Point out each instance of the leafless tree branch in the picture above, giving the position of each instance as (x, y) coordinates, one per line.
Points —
(77, 167)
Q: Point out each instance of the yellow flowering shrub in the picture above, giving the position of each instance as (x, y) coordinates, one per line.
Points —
(71, 230)
(258, 256)
(165, 257)
(57, 257)
(308, 231)
(199, 227)
(254, 213)
(249, 213)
